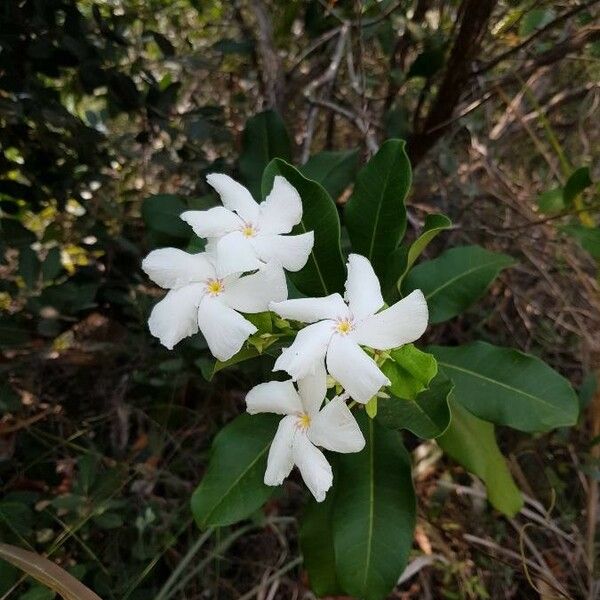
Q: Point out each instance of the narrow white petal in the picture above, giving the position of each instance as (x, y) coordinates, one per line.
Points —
(307, 350)
(309, 310)
(401, 323)
(291, 251)
(174, 268)
(279, 397)
(335, 428)
(354, 369)
(281, 460)
(252, 293)
(363, 292)
(235, 254)
(312, 389)
(282, 208)
(313, 465)
(214, 222)
(224, 329)
(235, 196)
(176, 315)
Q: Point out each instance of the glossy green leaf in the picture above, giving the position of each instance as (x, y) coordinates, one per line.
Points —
(375, 215)
(316, 542)
(404, 257)
(374, 514)
(46, 572)
(578, 181)
(427, 416)
(410, 370)
(335, 171)
(588, 238)
(264, 138)
(472, 443)
(508, 387)
(324, 273)
(232, 487)
(161, 215)
(456, 279)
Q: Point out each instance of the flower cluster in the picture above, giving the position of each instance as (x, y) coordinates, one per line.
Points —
(242, 271)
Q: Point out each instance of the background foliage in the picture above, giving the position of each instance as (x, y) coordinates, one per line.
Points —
(111, 115)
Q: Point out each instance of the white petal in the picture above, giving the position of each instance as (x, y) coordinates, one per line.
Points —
(281, 460)
(291, 251)
(235, 196)
(224, 329)
(174, 268)
(313, 465)
(309, 310)
(282, 209)
(214, 222)
(176, 315)
(401, 323)
(235, 254)
(354, 369)
(363, 292)
(335, 428)
(279, 397)
(252, 293)
(307, 350)
(312, 389)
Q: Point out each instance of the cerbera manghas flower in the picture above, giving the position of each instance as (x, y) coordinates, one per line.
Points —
(304, 427)
(340, 327)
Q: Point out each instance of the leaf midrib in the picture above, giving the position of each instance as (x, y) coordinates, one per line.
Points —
(499, 383)
(371, 507)
(377, 215)
(314, 258)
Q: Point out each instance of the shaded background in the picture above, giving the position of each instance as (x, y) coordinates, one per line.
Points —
(111, 113)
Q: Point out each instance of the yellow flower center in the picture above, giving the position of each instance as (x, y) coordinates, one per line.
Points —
(248, 231)
(214, 287)
(303, 421)
(344, 326)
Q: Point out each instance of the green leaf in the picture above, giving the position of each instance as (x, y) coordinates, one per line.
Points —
(161, 215)
(456, 279)
(14, 234)
(335, 171)
(374, 513)
(29, 266)
(472, 443)
(324, 272)
(508, 387)
(589, 239)
(578, 181)
(52, 266)
(264, 139)
(410, 370)
(535, 19)
(551, 201)
(232, 487)
(427, 416)
(316, 542)
(375, 215)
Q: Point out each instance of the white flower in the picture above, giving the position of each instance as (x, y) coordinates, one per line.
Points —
(304, 428)
(244, 234)
(199, 299)
(339, 329)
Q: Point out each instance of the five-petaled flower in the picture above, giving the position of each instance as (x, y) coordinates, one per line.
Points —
(244, 235)
(200, 298)
(339, 328)
(304, 427)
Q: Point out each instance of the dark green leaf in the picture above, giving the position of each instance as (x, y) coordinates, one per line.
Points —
(264, 139)
(374, 513)
(428, 416)
(589, 239)
(335, 171)
(508, 387)
(232, 487)
(12, 233)
(535, 19)
(29, 266)
(472, 443)
(161, 215)
(403, 258)
(52, 266)
(324, 272)
(577, 182)
(375, 214)
(456, 279)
